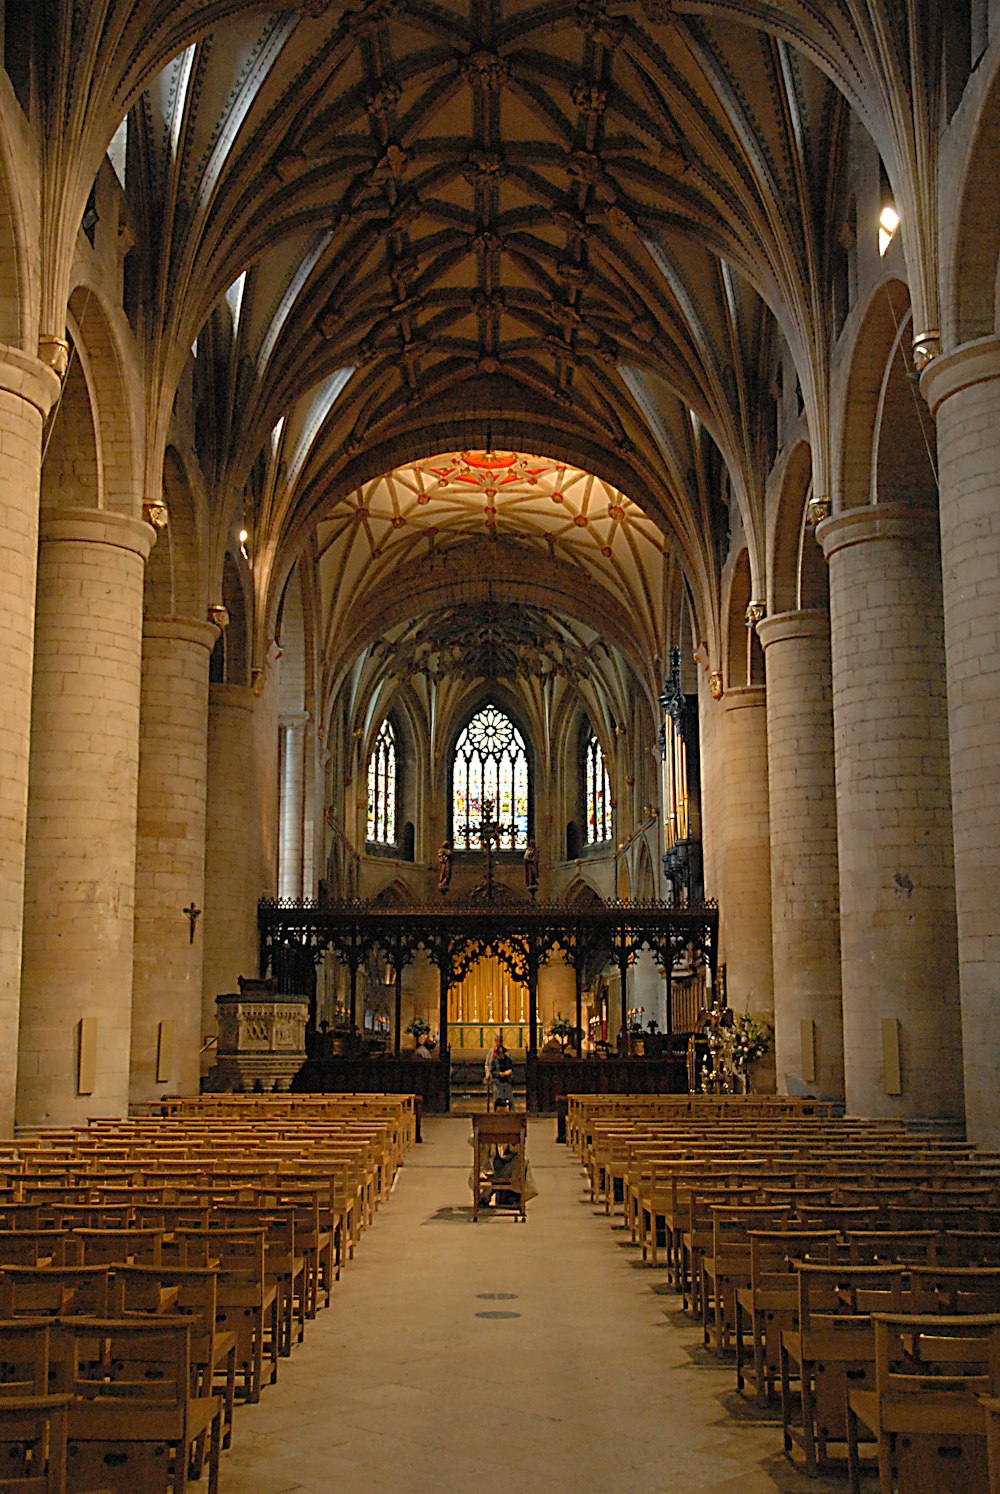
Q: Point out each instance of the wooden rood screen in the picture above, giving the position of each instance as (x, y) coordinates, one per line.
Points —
(296, 935)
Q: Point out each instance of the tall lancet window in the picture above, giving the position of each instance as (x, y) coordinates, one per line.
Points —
(382, 789)
(490, 763)
(598, 793)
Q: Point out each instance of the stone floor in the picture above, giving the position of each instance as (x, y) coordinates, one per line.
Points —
(501, 1356)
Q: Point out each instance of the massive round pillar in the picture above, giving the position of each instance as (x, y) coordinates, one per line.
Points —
(743, 857)
(170, 857)
(27, 390)
(902, 1029)
(240, 847)
(292, 838)
(76, 987)
(805, 914)
(963, 390)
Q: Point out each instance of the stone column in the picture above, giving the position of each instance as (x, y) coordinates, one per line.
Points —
(963, 391)
(76, 984)
(897, 888)
(805, 888)
(291, 850)
(170, 857)
(240, 859)
(27, 391)
(710, 723)
(743, 851)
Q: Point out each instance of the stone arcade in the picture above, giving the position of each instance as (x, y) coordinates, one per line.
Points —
(595, 409)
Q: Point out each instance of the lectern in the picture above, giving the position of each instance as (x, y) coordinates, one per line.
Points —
(489, 1134)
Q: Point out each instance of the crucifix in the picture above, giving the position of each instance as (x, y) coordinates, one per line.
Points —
(490, 831)
(193, 914)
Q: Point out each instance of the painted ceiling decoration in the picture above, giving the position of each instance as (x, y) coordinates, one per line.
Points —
(431, 511)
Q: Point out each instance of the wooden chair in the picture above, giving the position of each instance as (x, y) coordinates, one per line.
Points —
(53, 1291)
(133, 1422)
(24, 1356)
(833, 1348)
(192, 1292)
(727, 1268)
(38, 1247)
(925, 1412)
(246, 1301)
(113, 1247)
(33, 1443)
(489, 1133)
(769, 1304)
(991, 1425)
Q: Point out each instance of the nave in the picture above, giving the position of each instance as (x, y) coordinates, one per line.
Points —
(598, 1384)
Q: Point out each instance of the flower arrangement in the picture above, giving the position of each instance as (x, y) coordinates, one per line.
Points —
(752, 1038)
(419, 1028)
(562, 1028)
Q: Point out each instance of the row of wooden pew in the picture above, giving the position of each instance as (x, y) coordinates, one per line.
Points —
(849, 1268)
(154, 1272)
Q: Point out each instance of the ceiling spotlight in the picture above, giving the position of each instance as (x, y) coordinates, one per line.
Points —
(887, 224)
(244, 536)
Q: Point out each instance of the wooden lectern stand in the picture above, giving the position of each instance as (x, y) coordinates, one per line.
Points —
(501, 1129)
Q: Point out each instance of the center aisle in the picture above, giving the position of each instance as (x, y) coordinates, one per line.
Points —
(499, 1357)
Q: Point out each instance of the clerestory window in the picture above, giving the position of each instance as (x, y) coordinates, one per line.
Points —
(382, 789)
(597, 793)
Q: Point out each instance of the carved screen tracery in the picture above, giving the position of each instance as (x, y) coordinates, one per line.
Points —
(490, 763)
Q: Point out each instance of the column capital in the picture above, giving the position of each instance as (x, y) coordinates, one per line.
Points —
(880, 521)
(973, 363)
(97, 526)
(181, 630)
(784, 626)
(294, 719)
(29, 378)
(744, 697)
(235, 697)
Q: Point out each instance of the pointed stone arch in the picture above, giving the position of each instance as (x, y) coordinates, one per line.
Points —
(645, 879)
(886, 445)
(744, 656)
(175, 573)
(230, 664)
(115, 391)
(797, 570)
(17, 308)
(582, 895)
(971, 248)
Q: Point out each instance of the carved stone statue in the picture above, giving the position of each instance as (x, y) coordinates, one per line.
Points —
(444, 867)
(531, 868)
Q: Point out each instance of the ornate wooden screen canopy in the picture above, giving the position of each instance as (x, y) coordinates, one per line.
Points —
(295, 935)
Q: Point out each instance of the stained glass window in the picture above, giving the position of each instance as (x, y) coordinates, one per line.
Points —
(490, 763)
(382, 789)
(598, 793)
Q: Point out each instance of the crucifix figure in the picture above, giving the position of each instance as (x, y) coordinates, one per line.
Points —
(193, 914)
(490, 831)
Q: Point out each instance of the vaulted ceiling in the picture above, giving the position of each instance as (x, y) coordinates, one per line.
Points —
(388, 222)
